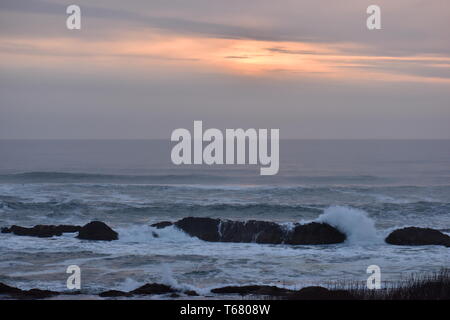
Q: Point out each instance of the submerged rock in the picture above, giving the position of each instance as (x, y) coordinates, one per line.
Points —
(42, 231)
(97, 230)
(217, 230)
(191, 293)
(162, 224)
(413, 236)
(153, 288)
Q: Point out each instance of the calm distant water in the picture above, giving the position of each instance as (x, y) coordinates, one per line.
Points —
(366, 188)
(368, 162)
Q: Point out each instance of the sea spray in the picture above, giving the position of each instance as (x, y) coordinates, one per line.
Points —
(355, 223)
(168, 279)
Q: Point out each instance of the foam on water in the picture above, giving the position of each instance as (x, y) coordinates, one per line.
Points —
(144, 234)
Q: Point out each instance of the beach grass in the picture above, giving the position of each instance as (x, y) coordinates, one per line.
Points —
(430, 286)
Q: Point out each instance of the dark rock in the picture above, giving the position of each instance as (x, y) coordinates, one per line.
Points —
(157, 288)
(315, 233)
(68, 228)
(42, 231)
(308, 293)
(5, 289)
(162, 224)
(202, 228)
(191, 293)
(17, 293)
(320, 293)
(5, 230)
(413, 236)
(153, 288)
(216, 230)
(97, 230)
(38, 294)
(155, 235)
(254, 290)
(72, 293)
(114, 293)
(251, 231)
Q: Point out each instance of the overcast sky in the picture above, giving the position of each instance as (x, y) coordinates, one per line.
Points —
(140, 69)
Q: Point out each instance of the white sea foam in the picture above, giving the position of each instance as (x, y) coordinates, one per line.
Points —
(129, 284)
(355, 223)
(148, 234)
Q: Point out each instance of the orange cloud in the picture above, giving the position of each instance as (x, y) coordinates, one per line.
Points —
(238, 56)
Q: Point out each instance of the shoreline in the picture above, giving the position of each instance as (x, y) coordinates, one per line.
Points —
(429, 286)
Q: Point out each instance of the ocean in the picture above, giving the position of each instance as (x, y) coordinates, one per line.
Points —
(365, 188)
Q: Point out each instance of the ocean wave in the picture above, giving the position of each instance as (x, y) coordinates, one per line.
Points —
(193, 176)
(355, 223)
(111, 207)
(67, 177)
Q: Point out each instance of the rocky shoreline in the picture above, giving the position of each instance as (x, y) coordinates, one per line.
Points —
(220, 230)
(94, 230)
(153, 289)
(430, 287)
(251, 231)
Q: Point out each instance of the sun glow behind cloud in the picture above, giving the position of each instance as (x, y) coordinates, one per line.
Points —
(243, 57)
(135, 70)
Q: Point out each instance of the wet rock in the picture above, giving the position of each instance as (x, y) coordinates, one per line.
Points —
(216, 230)
(69, 228)
(191, 293)
(114, 293)
(251, 231)
(17, 293)
(38, 294)
(413, 236)
(315, 233)
(97, 230)
(162, 224)
(308, 293)
(202, 228)
(42, 231)
(153, 288)
(5, 289)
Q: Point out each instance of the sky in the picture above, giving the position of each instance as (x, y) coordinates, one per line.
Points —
(139, 69)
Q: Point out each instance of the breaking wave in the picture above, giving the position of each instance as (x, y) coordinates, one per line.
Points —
(355, 223)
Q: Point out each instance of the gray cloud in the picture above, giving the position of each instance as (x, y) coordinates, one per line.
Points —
(288, 20)
(75, 101)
